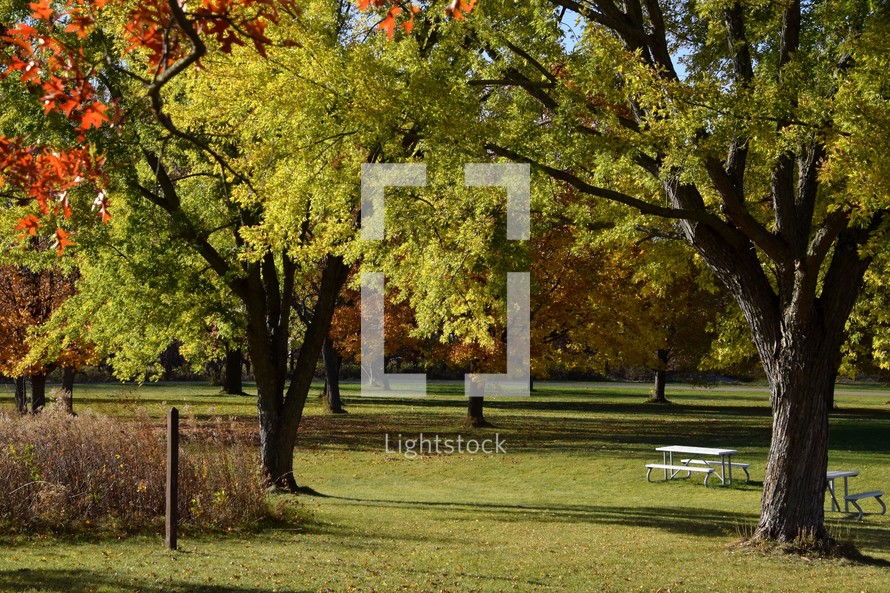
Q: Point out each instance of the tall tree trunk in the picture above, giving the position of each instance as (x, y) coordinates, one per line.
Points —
(68, 389)
(797, 321)
(232, 381)
(38, 392)
(658, 396)
(794, 484)
(268, 307)
(332, 362)
(21, 395)
(215, 372)
(170, 359)
(475, 412)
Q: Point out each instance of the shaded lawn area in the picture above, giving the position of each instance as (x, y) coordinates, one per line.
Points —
(567, 508)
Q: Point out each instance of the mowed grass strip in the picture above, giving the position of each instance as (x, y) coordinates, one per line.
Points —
(566, 508)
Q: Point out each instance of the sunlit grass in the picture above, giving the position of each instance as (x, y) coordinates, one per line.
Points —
(567, 508)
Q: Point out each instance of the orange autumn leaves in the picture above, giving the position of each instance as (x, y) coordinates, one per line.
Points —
(402, 15)
(52, 53)
(48, 177)
(28, 299)
(49, 55)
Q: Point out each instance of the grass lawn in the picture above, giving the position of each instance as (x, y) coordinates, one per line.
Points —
(566, 508)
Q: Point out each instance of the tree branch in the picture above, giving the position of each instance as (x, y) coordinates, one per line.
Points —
(642, 206)
(734, 209)
(169, 202)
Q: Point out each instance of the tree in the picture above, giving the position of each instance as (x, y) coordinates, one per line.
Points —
(177, 167)
(28, 299)
(272, 221)
(754, 128)
(611, 300)
(401, 346)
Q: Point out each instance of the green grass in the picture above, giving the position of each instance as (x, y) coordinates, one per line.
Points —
(566, 509)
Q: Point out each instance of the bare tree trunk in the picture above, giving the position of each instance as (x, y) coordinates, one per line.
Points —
(215, 370)
(38, 392)
(232, 381)
(658, 396)
(795, 482)
(332, 362)
(21, 395)
(171, 359)
(475, 412)
(68, 389)
(280, 412)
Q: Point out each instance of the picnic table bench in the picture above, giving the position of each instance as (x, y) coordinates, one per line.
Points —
(849, 498)
(712, 462)
(675, 469)
(723, 461)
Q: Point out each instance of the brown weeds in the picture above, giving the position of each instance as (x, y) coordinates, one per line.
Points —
(60, 472)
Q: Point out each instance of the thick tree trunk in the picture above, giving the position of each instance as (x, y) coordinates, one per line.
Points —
(332, 362)
(67, 394)
(802, 386)
(68, 379)
(170, 359)
(797, 322)
(280, 413)
(232, 381)
(38, 392)
(21, 395)
(276, 448)
(658, 396)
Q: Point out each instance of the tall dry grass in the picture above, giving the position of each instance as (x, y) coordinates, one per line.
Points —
(61, 472)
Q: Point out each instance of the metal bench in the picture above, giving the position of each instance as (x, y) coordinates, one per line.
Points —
(718, 463)
(855, 498)
(675, 469)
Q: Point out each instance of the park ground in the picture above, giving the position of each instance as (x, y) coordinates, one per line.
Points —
(566, 508)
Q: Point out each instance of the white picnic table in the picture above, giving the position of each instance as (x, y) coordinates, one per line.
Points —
(834, 474)
(854, 498)
(724, 455)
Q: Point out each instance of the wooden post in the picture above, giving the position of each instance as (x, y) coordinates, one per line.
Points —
(172, 476)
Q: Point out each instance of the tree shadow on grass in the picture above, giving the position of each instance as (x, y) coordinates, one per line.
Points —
(686, 520)
(545, 404)
(77, 581)
(691, 521)
(541, 432)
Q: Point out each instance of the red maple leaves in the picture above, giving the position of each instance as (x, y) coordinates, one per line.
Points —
(152, 27)
(52, 67)
(62, 240)
(456, 9)
(48, 56)
(46, 176)
(42, 10)
(29, 225)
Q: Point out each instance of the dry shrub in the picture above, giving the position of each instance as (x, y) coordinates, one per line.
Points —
(62, 472)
